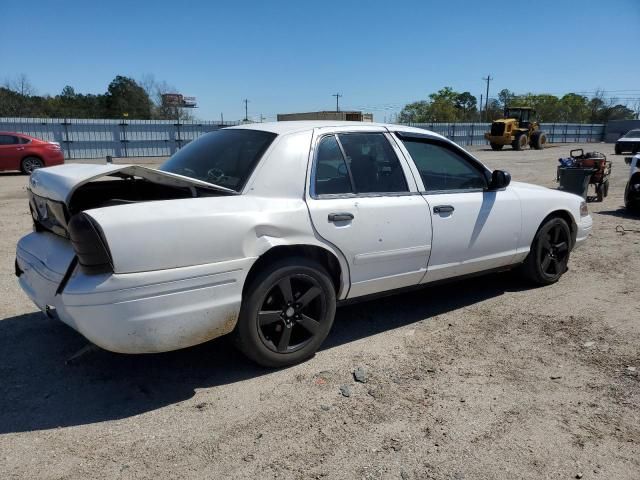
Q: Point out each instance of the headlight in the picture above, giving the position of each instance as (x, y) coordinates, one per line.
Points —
(584, 210)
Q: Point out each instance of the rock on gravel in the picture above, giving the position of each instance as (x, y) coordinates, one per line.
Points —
(360, 374)
(345, 390)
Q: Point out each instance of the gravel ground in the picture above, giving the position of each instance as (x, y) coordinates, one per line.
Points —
(481, 379)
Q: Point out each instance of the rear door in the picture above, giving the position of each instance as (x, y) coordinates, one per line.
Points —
(474, 229)
(10, 152)
(363, 199)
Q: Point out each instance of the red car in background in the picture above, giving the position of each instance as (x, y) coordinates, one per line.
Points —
(25, 153)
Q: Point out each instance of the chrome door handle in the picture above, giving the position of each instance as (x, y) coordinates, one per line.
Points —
(20, 148)
(443, 209)
(340, 217)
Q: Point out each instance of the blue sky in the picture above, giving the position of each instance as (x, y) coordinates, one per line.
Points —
(293, 55)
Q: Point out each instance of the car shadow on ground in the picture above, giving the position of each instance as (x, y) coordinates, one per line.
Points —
(39, 390)
(621, 213)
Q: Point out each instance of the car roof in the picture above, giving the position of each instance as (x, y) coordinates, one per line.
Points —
(286, 127)
(15, 134)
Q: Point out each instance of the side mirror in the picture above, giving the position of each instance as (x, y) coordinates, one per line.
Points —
(499, 179)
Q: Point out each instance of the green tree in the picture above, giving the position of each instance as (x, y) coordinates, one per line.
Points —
(124, 95)
(416, 112)
(506, 97)
(466, 105)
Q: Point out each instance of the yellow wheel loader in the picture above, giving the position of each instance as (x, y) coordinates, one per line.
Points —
(517, 129)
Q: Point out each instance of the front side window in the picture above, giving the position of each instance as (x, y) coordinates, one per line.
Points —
(442, 169)
(225, 157)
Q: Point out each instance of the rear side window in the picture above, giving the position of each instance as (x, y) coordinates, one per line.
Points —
(8, 140)
(332, 175)
(359, 163)
(442, 169)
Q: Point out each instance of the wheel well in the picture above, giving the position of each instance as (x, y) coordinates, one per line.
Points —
(567, 217)
(30, 156)
(324, 257)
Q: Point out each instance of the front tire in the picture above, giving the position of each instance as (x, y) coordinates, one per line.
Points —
(286, 313)
(496, 146)
(538, 140)
(520, 142)
(29, 164)
(549, 255)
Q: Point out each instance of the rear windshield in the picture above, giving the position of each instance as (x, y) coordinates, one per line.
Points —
(224, 157)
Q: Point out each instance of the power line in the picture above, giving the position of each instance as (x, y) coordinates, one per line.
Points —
(337, 95)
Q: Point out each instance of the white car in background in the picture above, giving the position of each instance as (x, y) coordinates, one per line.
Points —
(262, 229)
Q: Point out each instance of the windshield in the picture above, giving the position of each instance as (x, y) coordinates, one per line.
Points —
(224, 157)
(633, 134)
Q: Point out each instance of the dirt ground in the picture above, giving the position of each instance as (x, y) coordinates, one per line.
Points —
(483, 379)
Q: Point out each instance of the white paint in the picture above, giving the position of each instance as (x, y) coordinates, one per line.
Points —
(180, 265)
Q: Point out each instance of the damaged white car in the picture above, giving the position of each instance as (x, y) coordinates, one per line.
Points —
(261, 230)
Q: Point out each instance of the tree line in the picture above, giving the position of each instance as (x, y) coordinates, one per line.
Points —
(447, 105)
(124, 98)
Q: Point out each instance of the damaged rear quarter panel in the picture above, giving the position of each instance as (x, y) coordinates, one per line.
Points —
(271, 211)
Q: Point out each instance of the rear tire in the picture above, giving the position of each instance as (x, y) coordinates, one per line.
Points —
(549, 254)
(520, 141)
(29, 164)
(496, 146)
(617, 149)
(287, 312)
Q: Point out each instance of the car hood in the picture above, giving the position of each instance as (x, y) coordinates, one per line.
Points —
(60, 182)
(528, 186)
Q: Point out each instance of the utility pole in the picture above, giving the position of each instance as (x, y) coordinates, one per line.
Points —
(486, 100)
(246, 110)
(262, 118)
(337, 95)
(221, 119)
(480, 108)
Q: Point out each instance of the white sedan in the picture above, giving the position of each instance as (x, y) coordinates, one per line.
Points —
(261, 230)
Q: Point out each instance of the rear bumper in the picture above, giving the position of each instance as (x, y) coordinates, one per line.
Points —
(585, 226)
(141, 312)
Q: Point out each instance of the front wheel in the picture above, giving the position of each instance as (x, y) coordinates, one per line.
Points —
(520, 142)
(496, 146)
(549, 255)
(286, 313)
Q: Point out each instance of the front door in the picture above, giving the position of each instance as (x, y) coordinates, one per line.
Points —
(363, 199)
(474, 229)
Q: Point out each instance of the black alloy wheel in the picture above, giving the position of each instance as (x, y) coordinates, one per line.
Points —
(291, 313)
(287, 311)
(549, 255)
